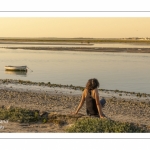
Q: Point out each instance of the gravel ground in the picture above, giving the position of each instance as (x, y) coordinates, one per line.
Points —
(120, 107)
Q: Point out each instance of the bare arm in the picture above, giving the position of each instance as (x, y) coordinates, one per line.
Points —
(99, 107)
(81, 102)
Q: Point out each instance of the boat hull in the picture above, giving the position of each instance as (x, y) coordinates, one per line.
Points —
(16, 68)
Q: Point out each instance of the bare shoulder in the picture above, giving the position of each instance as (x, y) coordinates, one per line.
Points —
(95, 90)
(95, 94)
(85, 92)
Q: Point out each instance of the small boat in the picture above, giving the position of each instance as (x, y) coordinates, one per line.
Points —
(16, 68)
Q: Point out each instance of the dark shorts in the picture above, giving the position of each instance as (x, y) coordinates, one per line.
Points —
(102, 101)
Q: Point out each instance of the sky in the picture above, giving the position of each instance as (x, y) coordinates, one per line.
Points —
(74, 27)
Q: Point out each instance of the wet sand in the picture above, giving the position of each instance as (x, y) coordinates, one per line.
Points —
(120, 106)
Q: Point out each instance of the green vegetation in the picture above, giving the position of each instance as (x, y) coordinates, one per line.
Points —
(21, 115)
(96, 125)
(80, 125)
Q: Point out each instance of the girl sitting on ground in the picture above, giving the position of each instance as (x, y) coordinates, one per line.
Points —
(91, 96)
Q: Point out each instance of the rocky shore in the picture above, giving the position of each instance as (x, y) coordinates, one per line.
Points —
(63, 99)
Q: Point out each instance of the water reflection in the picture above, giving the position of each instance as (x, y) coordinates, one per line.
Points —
(19, 73)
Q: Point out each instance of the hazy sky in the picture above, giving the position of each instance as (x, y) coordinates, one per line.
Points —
(75, 27)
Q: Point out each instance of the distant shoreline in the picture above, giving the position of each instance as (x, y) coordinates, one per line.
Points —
(47, 43)
(86, 49)
(78, 40)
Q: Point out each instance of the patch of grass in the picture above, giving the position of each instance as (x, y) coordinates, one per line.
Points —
(20, 115)
(96, 125)
(81, 125)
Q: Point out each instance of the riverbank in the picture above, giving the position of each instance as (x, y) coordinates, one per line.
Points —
(74, 40)
(62, 99)
(86, 49)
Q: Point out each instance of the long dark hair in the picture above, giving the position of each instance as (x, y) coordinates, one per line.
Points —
(92, 84)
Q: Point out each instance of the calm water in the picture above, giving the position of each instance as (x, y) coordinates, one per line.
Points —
(122, 71)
